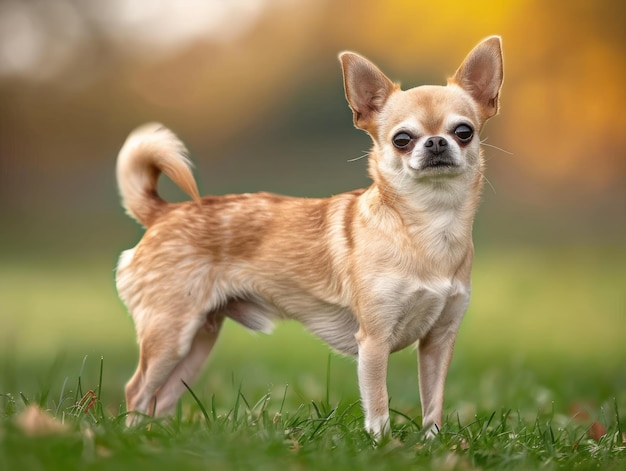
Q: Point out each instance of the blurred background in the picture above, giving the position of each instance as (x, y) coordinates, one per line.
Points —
(254, 88)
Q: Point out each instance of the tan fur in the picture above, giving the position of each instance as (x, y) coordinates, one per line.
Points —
(370, 271)
(149, 151)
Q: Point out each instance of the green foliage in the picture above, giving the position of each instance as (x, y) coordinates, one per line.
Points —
(234, 430)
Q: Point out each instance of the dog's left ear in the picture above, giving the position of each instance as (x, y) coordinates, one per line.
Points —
(481, 75)
(367, 89)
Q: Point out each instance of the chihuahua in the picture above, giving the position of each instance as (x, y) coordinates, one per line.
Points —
(370, 271)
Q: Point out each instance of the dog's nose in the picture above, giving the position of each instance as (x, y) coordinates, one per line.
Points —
(436, 145)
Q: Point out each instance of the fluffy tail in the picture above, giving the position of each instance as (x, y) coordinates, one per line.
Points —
(149, 151)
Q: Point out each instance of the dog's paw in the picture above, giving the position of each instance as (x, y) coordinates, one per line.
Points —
(430, 431)
(378, 428)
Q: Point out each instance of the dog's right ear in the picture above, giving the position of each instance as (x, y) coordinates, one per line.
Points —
(367, 88)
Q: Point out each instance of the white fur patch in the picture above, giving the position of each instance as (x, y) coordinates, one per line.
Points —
(414, 307)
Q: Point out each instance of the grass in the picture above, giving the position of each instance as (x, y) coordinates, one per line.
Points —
(235, 429)
(537, 381)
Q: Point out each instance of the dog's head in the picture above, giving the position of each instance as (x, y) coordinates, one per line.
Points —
(427, 132)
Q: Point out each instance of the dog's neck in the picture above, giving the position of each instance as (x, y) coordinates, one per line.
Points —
(436, 213)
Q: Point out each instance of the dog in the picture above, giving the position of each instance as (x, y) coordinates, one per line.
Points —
(370, 271)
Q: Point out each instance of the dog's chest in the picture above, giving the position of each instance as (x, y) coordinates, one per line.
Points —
(401, 311)
(413, 307)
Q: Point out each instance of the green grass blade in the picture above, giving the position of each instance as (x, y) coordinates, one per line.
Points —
(213, 408)
(317, 411)
(617, 418)
(282, 404)
(100, 404)
(410, 420)
(61, 397)
(24, 399)
(236, 408)
(199, 403)
(327, 399)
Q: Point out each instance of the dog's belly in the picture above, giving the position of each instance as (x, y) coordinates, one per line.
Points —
(335, 325)
(405, 319)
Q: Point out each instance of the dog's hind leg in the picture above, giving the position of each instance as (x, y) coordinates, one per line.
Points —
(167, 355)
(188, 368)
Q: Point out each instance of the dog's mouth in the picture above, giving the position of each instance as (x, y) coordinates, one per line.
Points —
(439, 163)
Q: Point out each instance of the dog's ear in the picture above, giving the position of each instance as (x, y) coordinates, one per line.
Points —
(481, 75)
(367, 88)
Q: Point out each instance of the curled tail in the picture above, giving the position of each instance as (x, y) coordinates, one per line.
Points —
(149, 151)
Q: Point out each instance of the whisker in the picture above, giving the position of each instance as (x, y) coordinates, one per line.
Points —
(488, 182)
(359, 158)
(483, 143)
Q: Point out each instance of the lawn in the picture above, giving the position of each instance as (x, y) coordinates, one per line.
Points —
(538, 380)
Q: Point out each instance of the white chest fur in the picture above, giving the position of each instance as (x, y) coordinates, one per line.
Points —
(417, 307)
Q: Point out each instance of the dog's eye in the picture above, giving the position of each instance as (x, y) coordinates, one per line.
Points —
(401, 140)
(464, 132)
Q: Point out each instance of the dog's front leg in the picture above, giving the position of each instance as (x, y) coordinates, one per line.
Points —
(372, 371)
(435, 354)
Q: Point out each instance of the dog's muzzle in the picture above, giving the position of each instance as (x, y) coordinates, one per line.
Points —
(437, 153)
